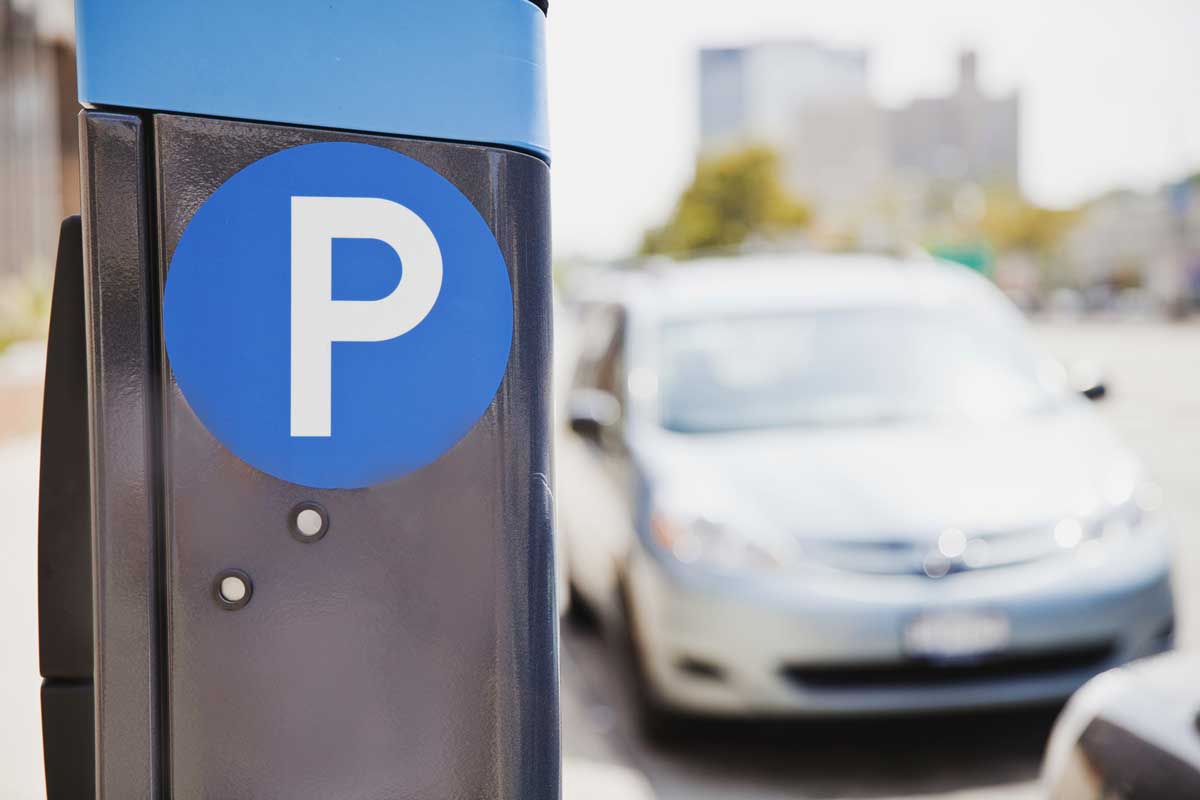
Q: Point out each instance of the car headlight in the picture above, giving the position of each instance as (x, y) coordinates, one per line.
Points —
(1130, 517)
(699, 539)
(1134, 514)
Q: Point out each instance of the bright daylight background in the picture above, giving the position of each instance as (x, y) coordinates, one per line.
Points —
(1108, 89)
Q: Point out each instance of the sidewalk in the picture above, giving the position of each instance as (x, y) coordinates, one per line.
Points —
(592, 767)
(21, 735)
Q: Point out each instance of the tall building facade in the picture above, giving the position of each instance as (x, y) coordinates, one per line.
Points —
(753, 93)
(964, 136)
(810, 103)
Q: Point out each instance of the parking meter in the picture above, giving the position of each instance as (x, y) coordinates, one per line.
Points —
(312, 314)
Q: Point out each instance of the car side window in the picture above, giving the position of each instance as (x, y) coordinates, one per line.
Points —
(610, 369)
(601, 372)
(601, 350)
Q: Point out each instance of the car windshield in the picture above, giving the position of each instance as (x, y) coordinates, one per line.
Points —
(845, 367)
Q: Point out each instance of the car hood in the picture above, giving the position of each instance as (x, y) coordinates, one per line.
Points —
(900, 480)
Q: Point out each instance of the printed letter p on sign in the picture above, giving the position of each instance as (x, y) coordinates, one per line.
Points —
(318, 320)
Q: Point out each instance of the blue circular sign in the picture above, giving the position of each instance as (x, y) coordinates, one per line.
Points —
(338, 315)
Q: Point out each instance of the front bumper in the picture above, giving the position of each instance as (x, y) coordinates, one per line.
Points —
(831, 643)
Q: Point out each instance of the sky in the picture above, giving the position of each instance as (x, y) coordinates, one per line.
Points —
(1110, 91)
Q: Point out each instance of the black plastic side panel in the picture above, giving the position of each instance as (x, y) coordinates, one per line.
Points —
(411, 652)
(64, 497)
(64, 539)
(68, 741)
(123, 379)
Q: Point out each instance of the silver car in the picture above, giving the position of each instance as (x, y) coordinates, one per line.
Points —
(1132, 733)
(845, 485)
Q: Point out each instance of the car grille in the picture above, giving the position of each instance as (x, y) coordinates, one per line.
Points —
(1008, 666)
(910, 556)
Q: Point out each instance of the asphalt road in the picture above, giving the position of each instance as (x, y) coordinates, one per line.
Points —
(1154, 403)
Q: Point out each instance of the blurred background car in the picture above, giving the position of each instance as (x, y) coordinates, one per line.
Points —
(847, 485)
(1133, 732)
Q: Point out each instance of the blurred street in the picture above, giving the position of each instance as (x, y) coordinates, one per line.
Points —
(1154, 405)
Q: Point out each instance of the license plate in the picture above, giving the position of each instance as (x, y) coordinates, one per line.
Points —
(957, 634)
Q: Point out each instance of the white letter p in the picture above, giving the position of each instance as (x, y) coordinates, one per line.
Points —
(318, 320)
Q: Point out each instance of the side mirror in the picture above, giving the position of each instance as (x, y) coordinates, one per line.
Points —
(1087, 378)
(1097, 391)
(592, 411)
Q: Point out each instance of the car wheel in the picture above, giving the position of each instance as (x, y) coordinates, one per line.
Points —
(579, 612)
(657, 721)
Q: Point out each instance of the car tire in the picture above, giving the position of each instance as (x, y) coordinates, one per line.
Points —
(579, 612)
(657, 721)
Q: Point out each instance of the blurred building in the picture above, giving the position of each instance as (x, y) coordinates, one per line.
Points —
(39, 156)
(1150, 241)
(842, 150)
(753, 93)
(965, 136)
(838, 157)
(809, 102)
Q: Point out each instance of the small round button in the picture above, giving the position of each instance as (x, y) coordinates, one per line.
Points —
(309, 522)
(233, 589)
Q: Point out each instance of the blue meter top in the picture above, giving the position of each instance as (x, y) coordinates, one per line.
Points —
(461, 70)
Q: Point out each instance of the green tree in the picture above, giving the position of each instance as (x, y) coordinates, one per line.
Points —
(732, 197)
(1011, 222)
(976, 225)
